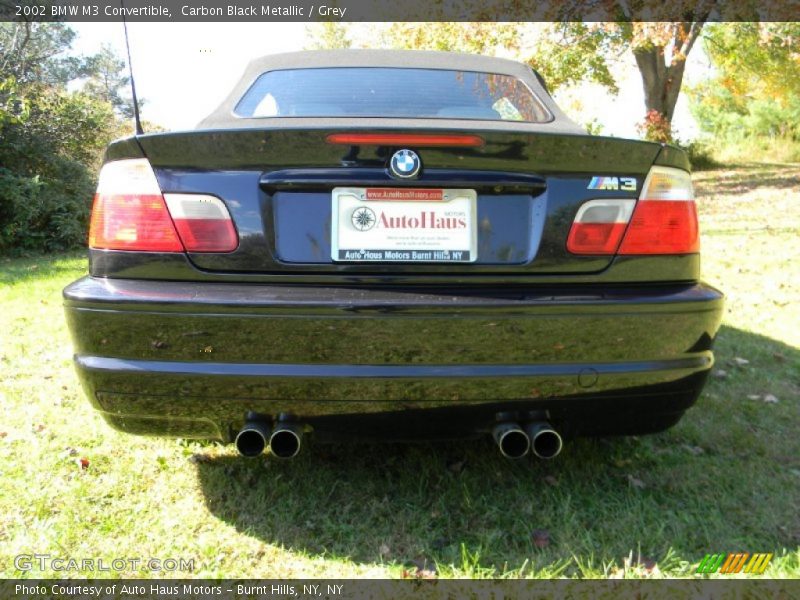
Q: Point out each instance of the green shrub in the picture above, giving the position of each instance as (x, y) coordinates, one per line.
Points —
(49, 157)
(45, 214)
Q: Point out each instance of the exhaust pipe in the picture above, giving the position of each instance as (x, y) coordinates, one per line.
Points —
(545, 441)
(252, 439)
(512, 440)
(286, 440)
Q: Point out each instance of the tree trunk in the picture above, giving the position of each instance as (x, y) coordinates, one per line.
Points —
(662, 81)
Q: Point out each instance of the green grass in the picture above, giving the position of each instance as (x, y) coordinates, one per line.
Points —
(727, 478)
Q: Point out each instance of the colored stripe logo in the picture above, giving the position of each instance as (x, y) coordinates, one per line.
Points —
(735, 562)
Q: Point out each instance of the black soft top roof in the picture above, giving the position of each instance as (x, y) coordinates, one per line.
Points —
(224, 118)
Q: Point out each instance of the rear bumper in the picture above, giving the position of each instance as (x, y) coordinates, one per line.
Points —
(192, 359)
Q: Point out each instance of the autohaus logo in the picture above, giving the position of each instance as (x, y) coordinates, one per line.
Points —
(405, 164)
(363, 218)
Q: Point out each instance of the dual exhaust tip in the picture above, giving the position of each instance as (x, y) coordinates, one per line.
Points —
(538, 437)
(513, 440)
(284, 441)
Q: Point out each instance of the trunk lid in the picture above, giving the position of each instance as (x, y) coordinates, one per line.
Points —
(278, 185)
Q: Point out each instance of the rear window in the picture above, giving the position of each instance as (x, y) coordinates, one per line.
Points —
(391, 92)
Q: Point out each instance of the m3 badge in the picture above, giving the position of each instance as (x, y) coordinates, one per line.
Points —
(626, 184)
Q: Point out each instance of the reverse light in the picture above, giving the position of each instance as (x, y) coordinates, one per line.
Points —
(131, 213)
(599, 225)
(203, 222)
(665, 218)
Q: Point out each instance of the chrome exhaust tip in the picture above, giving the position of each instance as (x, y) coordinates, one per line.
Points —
(286, 440)
(252, 439)
(512, 441)
(545, 441)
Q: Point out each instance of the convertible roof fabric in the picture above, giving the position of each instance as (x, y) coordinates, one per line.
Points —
(224, 118)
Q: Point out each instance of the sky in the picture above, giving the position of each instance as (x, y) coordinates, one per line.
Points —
(184, 70)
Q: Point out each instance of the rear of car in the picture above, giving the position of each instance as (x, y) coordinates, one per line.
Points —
(392, 245)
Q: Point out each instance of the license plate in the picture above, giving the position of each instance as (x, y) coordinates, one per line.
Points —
(404, 225)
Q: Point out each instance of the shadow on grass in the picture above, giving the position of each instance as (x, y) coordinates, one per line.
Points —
(751, 177)
(721, 480)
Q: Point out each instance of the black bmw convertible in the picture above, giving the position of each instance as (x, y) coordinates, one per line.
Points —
(392, 245)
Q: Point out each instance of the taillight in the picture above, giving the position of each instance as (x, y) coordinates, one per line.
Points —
(665, 218)
(599, 225)
(131, 213)
(203, 222)
(662, 221)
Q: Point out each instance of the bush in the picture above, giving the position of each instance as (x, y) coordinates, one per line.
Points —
(49, 156)
(45, 215)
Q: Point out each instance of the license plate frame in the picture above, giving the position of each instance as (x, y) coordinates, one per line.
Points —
(404, 225)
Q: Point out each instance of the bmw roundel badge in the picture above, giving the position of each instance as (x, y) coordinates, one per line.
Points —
(405, 164)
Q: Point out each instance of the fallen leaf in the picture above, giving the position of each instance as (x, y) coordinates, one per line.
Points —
(770, 399)
(779, 357)
(208, 349)
(3, 434)
(720, 374)
(39, 428)
(421, 570)
(550, 480)
(541, 538)
(753, 397)
(636, 482)
(83, 463)
(740, 362)
(558, 347)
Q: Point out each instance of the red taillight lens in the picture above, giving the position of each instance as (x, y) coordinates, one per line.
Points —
(662, 227)
(665, 218)
(598, 227)
(129, 212)
(203, 222)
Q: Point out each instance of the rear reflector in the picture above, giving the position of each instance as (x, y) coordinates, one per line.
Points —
(665, 218)
(129, 212)
(400, 139)
(599, 225)
(203, 222)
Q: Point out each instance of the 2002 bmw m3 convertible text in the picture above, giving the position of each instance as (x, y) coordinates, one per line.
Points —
(392, 245)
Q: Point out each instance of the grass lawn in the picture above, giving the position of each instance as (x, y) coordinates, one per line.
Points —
(727, 478)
